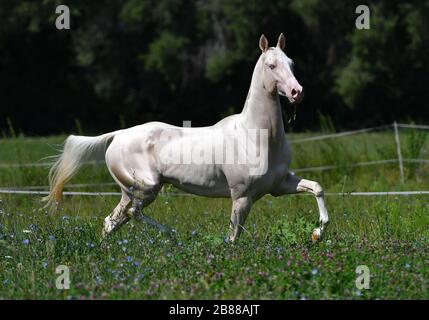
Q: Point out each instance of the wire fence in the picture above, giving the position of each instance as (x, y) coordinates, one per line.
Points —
(399, 160)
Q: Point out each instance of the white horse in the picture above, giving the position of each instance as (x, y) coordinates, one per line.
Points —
(140, 158)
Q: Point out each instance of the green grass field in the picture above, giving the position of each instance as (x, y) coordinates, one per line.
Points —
(274, 258)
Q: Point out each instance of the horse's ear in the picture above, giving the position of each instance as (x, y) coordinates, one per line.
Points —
(281, 42)
(263, 43)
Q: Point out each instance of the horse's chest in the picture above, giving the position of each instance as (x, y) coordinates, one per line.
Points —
(263, 184)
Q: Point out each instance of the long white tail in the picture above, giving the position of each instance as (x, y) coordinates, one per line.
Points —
(76, 151)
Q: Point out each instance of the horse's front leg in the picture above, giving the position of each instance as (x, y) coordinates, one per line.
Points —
(240, 210)
(293, 184)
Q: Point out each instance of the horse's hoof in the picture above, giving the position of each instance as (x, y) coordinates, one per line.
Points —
(315, 236)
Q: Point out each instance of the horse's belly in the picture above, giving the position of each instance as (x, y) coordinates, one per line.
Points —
(203, 191)
(204, 180)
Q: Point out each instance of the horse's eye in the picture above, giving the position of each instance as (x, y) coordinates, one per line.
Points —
(271, 66)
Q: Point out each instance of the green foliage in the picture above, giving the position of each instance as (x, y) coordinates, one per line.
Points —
(415, 142)
(218, 65)
(352, 80)
(133, 11)
(168, 60)
(289, 232)
(165, 54)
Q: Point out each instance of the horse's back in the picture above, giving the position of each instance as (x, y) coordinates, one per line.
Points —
(130, 157)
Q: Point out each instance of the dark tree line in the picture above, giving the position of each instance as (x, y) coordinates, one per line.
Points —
(126, 62)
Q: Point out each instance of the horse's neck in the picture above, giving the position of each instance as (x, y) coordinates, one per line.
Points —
(262, 109)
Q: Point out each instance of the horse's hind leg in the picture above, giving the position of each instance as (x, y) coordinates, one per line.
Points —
(143, 198)
(119, 215)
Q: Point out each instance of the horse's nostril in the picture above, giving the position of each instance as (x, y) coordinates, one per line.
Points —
(294, 93)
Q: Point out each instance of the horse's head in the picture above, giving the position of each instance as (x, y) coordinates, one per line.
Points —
(277, 71)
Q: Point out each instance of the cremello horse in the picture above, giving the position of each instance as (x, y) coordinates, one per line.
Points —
(140, 158)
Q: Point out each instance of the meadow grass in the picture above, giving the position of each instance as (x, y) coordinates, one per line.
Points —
(274, 258)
